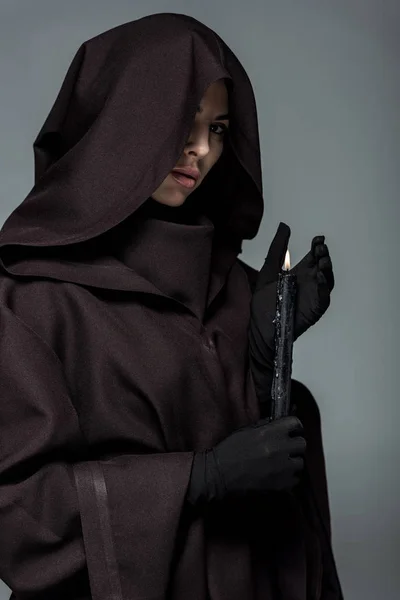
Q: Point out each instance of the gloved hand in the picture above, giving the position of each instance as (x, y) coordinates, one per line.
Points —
(315, 281)
(259, 458)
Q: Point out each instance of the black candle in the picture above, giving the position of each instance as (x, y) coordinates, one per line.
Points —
(284, 335)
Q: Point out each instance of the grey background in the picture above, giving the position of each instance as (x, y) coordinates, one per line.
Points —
(326, 79)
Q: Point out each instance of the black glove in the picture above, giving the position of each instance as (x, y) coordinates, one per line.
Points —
(260, 458)
(315, 281)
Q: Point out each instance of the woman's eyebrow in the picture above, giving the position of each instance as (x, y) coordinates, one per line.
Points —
(220, 117)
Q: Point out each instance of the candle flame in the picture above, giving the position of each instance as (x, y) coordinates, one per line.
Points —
(287, 260)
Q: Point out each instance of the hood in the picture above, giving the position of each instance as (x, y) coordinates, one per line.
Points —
(118, 126)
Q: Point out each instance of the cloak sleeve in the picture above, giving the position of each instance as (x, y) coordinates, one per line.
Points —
(64, 515)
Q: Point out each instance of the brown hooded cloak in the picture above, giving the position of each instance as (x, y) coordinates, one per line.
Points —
(124, 345)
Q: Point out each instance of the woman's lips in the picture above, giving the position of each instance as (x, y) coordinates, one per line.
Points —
(187, 182)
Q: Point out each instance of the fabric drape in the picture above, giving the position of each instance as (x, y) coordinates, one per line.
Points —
(123, 344)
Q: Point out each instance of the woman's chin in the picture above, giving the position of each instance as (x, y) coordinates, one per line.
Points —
(168, 201)
(170, 197)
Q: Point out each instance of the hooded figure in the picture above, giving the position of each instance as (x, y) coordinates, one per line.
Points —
(123, 345)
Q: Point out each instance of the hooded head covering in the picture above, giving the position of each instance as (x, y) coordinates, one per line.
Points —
(117, 128)
(104, 375)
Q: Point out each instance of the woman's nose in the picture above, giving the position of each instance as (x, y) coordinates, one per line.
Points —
(198, 144)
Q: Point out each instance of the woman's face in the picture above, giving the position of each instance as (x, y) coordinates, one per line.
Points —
(204, 146)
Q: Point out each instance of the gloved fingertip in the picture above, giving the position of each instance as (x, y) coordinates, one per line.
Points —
(318, 240)
(284, 228)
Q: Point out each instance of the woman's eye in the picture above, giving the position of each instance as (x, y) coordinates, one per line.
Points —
(223, 128)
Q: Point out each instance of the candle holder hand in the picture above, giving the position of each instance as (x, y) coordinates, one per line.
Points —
(315, 281)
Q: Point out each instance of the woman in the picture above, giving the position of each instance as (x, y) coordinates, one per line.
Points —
(126, 319)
